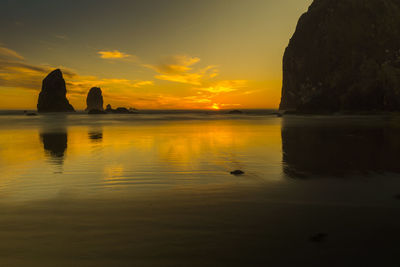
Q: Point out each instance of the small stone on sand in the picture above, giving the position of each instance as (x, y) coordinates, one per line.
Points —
(237, 172)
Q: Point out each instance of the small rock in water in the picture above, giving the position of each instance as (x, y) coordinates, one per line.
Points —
(318, 238)
(121, 110)
(237, 172)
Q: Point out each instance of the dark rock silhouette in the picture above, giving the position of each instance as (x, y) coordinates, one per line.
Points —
(109, 108)
(120, 110)
(344, 56)
(52, 97)
(313, 149)
(30, 113)
(94, 100)
(278, 114)
(237, 172)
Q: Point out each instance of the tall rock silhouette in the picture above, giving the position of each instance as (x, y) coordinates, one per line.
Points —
(344, 56)
(52, 97)
(94, 99)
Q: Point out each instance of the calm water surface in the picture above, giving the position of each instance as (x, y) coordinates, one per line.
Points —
(156, 190)
(48, 155)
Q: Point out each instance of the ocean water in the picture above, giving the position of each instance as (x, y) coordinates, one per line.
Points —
(155, 189)
(52, 154)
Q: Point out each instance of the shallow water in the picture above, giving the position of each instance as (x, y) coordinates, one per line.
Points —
(48, 155)
(156, 189)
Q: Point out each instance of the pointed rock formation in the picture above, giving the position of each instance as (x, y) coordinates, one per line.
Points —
(94, 100)
(344, 56)
(52, 97)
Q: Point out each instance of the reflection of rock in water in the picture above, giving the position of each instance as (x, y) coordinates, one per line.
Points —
(339, 150)
(55, 144)
(95, 135)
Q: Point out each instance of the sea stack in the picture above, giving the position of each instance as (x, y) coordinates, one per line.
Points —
(344, 56)
(94, 100)
(52, 97)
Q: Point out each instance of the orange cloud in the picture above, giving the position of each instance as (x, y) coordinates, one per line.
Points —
(113, 54)
(8, 53)
(27, 76)
(196, 99)
(199, 89)
(80, 84)
(24, 77)
(179, 68)
(225, 86)
(175, 64)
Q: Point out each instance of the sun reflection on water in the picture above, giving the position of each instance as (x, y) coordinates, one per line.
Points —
(140, 155)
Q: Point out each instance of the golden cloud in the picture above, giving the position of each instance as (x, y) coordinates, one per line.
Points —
(80, 84)
(197, 99)
(175, 64)
(26, 76)
(225, 86)
(113, 54)
(16, 73)
(179, 69)
(8, 53)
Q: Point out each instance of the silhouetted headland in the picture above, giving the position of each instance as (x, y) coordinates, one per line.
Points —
(344, 57)
(52, 97)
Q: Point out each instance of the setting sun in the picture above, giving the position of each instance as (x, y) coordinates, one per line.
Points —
(199, 133)
(155, 65)
(215, 106)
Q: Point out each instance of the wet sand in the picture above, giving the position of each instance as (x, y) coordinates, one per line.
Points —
(152, 191)
(269, 226)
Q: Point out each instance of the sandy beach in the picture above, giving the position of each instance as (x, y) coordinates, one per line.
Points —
(178, 205)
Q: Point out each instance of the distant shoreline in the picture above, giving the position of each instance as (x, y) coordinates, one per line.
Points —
(160, 111)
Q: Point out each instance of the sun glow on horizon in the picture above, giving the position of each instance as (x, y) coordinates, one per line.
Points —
(151, 64)
(215, 106)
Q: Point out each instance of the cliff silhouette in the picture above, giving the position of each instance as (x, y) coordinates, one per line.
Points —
(344, 56)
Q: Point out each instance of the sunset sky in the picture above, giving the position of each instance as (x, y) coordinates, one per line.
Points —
(153, 54)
